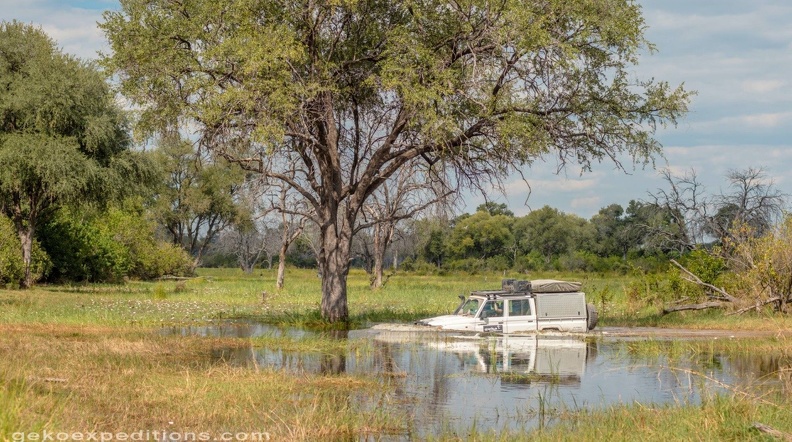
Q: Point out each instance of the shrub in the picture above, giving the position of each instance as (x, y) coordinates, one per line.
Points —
(705, 265)
(498, 263)
(418, 266)
(532, 262)
(110, 246)
(149, 258)
(82, 250)
(472, 266)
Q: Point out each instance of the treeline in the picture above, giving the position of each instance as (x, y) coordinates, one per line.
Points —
(492, 238)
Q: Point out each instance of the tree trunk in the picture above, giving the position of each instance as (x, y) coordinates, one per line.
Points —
(377, 280)
(379, 258)
(395, 260)
(334, 256)
(26, 238)
(281, 265)
(383, 235)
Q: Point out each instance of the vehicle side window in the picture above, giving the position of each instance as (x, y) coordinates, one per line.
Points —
(492, 309)
(520, 307)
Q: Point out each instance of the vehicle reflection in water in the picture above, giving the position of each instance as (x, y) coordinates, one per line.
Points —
(445, 382)
(522, 359)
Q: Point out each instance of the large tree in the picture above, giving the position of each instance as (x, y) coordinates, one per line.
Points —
(62, 136)
(356, 90)
(481, 235)
(198, 196)
(550, 232)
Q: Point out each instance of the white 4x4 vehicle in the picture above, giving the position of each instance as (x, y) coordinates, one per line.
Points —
(522, 306)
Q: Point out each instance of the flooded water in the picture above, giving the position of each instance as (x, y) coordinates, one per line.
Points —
(447, 382)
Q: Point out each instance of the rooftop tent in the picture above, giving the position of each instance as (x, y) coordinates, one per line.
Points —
(554, 286)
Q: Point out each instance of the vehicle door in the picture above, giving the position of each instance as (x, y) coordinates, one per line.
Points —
(492, 316)
(521, 316)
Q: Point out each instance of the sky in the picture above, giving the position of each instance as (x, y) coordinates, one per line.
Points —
(736, 54)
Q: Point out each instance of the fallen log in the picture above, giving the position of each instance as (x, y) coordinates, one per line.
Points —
(766, 429)
(755, 306)
(175, 278)
(702, 306)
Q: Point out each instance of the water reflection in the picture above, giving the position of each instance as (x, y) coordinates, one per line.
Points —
(446, 382)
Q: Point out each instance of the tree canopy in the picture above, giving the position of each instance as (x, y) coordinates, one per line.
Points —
(62, 136)
(333, 98)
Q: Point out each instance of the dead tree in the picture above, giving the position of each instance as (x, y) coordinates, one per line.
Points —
(402, 197)
(292, 225)
(754, 204)
(686, 204)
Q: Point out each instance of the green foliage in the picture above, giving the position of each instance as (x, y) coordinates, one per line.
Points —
(149, 257)
(480, 235)
(707, 265)
(655, 289)
(763, 265)
(419, 267)
(550, 232)
(109, 246)
(495, 209)
(434, 249)
(531, 262)
(83, 249)
(473, 266)
(196, 198)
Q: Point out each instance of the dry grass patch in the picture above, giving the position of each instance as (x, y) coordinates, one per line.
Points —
(68, 378)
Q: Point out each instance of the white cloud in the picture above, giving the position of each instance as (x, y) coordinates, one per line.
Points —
(74, 28)
(766, 120)
(557, 183)
(749, 122)
(586, 204)
(762, 86)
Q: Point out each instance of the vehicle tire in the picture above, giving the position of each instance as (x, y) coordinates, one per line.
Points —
(592, 315)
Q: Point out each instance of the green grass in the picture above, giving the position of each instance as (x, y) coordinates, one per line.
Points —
(228, 293)
(718, 418)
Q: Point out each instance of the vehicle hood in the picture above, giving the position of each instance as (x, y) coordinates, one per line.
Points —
(451, 322)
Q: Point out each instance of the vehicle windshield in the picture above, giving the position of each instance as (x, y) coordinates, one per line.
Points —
(470, 307)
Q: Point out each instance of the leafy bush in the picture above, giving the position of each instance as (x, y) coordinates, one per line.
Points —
(532, 262)
(82, 250)
(472, 266)
(109, 247)
(149, 258)
(498, 263)
(418, 266)
(707, 266)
